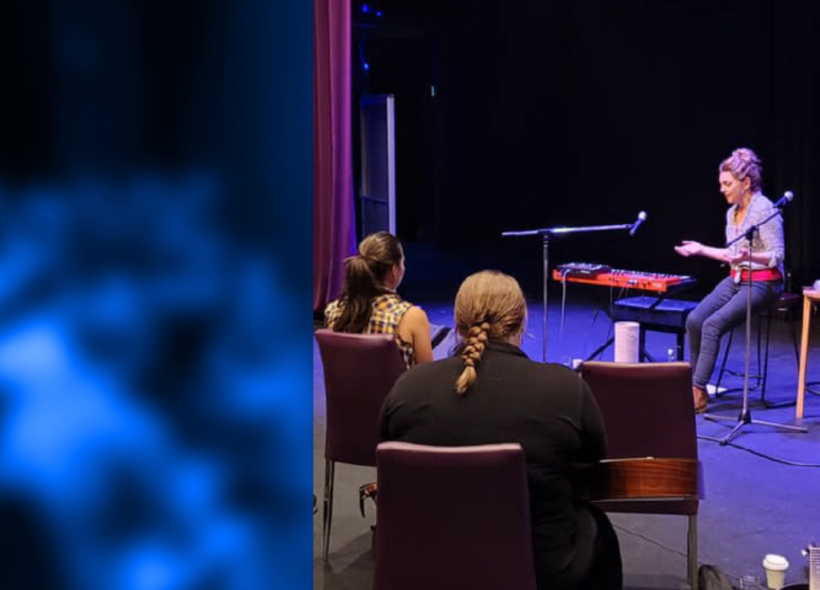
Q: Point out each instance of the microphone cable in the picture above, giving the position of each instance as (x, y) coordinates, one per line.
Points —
(758, 453)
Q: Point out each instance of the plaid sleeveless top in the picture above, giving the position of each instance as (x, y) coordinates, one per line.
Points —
(386, 313)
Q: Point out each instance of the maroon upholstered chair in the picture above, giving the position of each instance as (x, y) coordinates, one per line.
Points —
(648, 412)
(359, 371)
(453, 517)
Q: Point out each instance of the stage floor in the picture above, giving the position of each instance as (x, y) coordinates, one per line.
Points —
(762, 490)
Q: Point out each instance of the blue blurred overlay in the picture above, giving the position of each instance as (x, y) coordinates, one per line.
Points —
(155, 197)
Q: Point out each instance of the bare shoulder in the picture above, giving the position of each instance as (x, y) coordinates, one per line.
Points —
(417, 328)
(416, 315)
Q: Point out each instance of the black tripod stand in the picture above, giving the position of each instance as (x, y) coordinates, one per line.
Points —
(554, 231)
(745, 416)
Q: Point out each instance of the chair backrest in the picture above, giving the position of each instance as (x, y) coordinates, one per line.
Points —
(453, 517)
(647, 408)
(359, 370)
(648, 411)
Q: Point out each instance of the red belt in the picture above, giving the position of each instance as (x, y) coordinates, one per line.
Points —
(764, 274)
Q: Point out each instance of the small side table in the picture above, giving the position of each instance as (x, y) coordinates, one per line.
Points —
(809, 296)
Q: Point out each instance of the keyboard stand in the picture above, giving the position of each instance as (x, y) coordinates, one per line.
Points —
(545, 233)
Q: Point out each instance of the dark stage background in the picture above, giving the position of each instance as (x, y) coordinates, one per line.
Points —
(550, 113)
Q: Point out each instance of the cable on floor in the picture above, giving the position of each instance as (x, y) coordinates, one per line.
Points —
(732, 577)
(648, 540)
(757, 453)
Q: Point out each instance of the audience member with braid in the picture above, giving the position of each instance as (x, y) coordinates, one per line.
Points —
(369, 303)
(490, 392)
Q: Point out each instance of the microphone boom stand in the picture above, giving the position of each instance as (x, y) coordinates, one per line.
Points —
(545, 233)
(745, 416)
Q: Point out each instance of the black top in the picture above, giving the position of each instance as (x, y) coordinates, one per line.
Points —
(547, 408)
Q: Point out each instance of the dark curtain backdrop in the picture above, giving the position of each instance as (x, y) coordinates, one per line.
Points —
(333, 211)
(585, 112)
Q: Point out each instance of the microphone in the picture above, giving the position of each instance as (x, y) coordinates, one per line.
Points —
(786, 198)
(639, 221)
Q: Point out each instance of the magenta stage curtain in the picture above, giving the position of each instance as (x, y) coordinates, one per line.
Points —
(333, 210)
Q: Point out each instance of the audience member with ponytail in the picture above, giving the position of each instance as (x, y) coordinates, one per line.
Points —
(491, 392)
(369, 303)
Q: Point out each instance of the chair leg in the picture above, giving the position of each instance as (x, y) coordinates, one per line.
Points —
(759, 373)
(679, 346)
(766, 360)
(692, 551)
(328, 508)
(723, 362)
(767, 404)
(794, 341)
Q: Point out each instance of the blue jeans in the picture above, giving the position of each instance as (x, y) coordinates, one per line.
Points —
(720, 311)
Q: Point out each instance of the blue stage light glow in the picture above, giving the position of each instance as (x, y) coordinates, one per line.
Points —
(136, 334)
(366, 66)
(155, 371)
(365, 8)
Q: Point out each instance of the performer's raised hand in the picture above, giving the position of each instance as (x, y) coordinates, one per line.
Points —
(741, 256)
(689, 248)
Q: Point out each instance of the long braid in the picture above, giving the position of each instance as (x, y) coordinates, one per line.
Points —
(489, 307)
(471, 355)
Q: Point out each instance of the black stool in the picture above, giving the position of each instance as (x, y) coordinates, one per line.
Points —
(784, 307)
(656, 314)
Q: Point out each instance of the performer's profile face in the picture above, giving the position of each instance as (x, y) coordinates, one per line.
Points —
(732, 188)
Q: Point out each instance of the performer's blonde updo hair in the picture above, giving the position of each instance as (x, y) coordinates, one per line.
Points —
(489, 304)
(743, 164)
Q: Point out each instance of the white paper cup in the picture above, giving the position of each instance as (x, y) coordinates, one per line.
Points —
(775, 566)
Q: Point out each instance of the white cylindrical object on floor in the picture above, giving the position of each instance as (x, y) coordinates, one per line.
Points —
(627, 341)
(775, 566)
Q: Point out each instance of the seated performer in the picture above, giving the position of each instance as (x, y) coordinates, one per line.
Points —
(369, 303)
(490, 392)
(725, 306)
